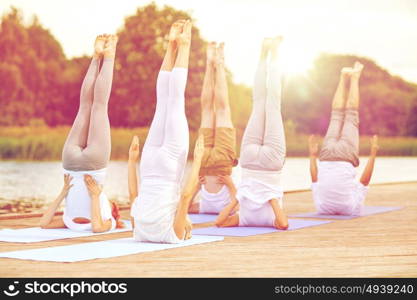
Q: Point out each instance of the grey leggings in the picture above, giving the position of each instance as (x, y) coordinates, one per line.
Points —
(263, 143)
(341, 142)
(88, 144)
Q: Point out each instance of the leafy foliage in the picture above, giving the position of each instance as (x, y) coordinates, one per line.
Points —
(39, 84)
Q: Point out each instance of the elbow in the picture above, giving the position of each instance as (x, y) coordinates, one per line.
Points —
(97, 228)
(43, 224)
(281, 225)
(219, 222)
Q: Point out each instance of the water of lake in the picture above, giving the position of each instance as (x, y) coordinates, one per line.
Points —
(43, 180)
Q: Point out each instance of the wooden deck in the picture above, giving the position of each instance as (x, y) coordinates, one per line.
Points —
(383, 245)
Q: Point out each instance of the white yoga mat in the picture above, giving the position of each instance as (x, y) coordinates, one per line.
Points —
(103, 249)
(37, 234)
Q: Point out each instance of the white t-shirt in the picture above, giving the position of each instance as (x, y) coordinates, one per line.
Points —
(154, 216)
(254, 192)
(213, 203)
(337, 191)
(78, 201)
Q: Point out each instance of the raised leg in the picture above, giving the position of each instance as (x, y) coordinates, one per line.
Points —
(97, 152)
(77, 137)
(272, 154)
(338, 105)
(254, 131)
(177, 134)
(221, 93)
(207, 93)
(155, 136)
(350, 130)
(176, 139)
(353, 98)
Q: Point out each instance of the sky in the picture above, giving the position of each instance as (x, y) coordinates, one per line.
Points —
(383, 30)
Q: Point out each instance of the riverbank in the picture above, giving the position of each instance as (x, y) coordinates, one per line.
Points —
(40, 143)
(381, 245)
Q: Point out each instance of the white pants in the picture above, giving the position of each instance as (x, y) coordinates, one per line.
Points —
(263, 143)
(166, 148)
(163, 162)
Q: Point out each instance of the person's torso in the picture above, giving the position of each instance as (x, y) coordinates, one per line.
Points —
(157, 202)
(255, 191)
(78, 200)
(214, 202)
(154, 211)
(254, 214)
(336, 186)
(161, 163)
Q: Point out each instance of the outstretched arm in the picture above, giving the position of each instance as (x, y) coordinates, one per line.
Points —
(132, 177)
(313, 147)
(224, 216)
(47, 220)
(181, 220)
(131, 168)
(94, 189)
(367, 172)
(224, 219)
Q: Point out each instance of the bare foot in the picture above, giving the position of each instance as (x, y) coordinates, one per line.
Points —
(110, 46)
(99, 45)
(276, 42)
(184, 38)
(220, 55)
(211, 52)
(346, 72)
(175, 30)
(357, 70)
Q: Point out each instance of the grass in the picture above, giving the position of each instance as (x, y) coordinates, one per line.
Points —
(45, 143)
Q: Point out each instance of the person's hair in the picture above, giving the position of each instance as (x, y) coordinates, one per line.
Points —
(116, 215)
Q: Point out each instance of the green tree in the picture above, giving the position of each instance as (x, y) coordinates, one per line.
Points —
(31, 65)
(140, 51)
(386, 104)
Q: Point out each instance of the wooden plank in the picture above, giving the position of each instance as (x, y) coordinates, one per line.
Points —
(382, 245)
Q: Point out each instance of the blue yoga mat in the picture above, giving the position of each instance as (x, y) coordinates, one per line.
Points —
(103, 249)
(367, 211)
(37, 234)
(202, 218)
(294, 224)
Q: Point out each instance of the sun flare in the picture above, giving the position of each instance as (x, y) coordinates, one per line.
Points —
(295, 58)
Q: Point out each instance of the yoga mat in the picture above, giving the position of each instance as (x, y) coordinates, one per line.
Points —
(103, 249)
(248, 231)
(367, 211)
(202, 218)
(37, 234)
